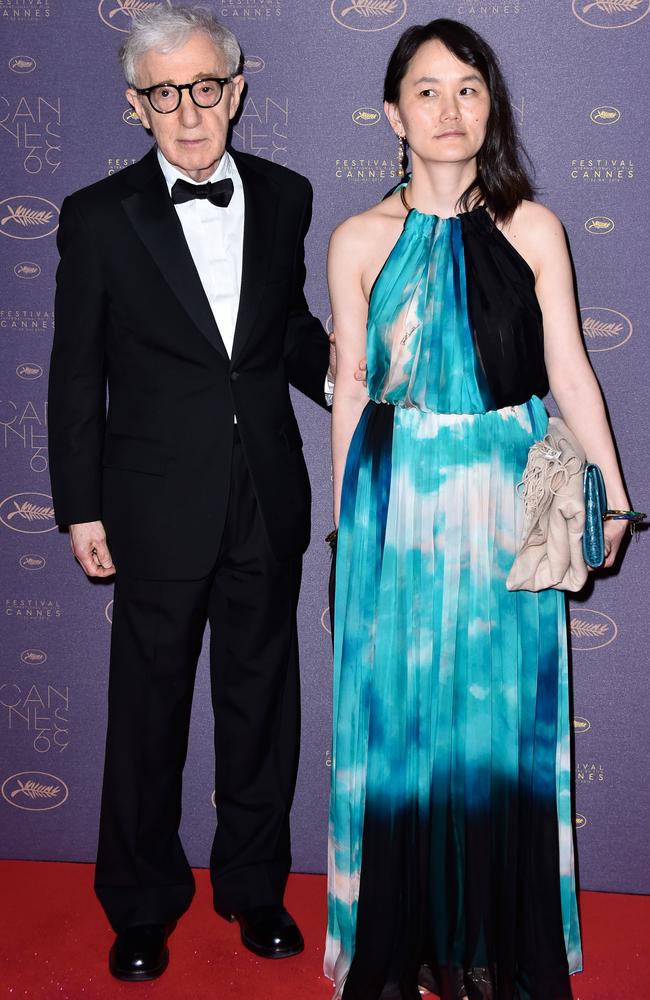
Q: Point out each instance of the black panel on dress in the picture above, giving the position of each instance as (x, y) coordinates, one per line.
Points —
(504, 312)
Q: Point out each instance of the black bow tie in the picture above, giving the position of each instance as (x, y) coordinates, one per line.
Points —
(217, 192)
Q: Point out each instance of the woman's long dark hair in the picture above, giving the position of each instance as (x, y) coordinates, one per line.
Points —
(501, 180)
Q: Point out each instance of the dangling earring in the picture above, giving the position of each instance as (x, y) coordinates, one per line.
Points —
(401, 155)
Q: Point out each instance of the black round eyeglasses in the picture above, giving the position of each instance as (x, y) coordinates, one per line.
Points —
(166, 97)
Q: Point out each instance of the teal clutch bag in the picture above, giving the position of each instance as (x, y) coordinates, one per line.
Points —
(593, 539)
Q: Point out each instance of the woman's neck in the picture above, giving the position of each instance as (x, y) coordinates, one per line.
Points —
(435, 188)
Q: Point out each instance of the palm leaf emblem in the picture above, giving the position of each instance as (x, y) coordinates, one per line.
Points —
(581, 629)
(31, 512)
(26, 216)
(612, 6)
(596, 328)
(132, 7)
(34, 790)
(370, 8)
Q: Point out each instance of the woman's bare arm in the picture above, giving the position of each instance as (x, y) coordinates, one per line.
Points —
(350, 314)
(573, 384)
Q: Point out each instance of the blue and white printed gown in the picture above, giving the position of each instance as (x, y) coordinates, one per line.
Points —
(451, 851)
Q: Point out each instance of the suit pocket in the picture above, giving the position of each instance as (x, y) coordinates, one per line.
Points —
(134, 455)
(290, 434)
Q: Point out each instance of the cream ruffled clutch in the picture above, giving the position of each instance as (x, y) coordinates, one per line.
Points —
(552, 490)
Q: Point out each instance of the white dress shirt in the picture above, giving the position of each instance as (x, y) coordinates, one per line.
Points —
(215, 237)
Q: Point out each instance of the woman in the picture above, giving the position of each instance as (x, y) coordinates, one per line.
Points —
(451, 861)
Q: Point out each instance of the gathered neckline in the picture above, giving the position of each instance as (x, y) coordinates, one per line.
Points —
(446, 218)
(479, 212)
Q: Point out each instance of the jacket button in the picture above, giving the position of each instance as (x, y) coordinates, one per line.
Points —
(234, 376)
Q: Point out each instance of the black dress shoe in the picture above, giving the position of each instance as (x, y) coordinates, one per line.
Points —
(269, 931)
(140, 953)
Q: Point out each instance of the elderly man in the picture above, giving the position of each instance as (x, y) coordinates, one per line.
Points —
(180, 289)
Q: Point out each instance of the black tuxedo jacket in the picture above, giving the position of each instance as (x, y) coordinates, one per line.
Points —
(131, 315)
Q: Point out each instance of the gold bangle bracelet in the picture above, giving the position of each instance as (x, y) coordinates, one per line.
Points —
(623, 515)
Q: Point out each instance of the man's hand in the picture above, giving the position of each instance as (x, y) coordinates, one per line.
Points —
(331, 371)
(88, 544)
(360, 374)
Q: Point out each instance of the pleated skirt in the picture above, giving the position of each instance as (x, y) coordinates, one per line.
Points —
(450, 840)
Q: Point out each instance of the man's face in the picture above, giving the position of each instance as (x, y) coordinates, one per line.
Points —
(192, 139)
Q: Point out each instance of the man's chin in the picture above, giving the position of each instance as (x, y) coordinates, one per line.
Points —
(196, 167)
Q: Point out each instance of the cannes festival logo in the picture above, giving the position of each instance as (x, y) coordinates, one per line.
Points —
(108, 612)
(605, 115)
(599, 225)
(605, 329)
(28, 217)
(129, 117)
(27, 270)
(610, 13)
(254, 64)
(22, 64)
(368, 15)
(33, 657)
(325, 621)
(581, 821)
(31, 562)
(119, 14)
(28, 513)
(581, 725)
(36, 791)
(591, 629)
(366, 116)
(29, 372)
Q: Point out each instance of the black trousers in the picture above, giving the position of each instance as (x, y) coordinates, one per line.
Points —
(250, 600)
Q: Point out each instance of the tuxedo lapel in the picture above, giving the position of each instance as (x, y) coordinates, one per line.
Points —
(153, 217)
(260, 209)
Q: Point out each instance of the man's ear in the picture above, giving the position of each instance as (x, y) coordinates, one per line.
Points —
(138, 106)
(235, 95)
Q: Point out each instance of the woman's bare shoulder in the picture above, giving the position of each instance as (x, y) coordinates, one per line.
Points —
(535, 232)
(366, 228)
(533, 219)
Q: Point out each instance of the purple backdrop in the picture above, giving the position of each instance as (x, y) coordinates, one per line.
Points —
(314, 70)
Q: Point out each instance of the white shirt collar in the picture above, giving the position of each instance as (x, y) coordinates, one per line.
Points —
(225, 168)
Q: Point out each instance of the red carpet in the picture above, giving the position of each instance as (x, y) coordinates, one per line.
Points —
(54, 942)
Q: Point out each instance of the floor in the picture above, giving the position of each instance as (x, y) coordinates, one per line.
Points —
(54, 942)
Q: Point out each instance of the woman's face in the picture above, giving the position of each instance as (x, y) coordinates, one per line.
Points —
(443, 106)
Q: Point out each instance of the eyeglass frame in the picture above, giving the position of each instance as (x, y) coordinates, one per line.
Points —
(180, 87)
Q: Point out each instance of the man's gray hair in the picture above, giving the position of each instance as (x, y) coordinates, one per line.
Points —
(166, 29)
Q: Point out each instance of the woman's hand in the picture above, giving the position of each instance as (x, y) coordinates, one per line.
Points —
(614, 532)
